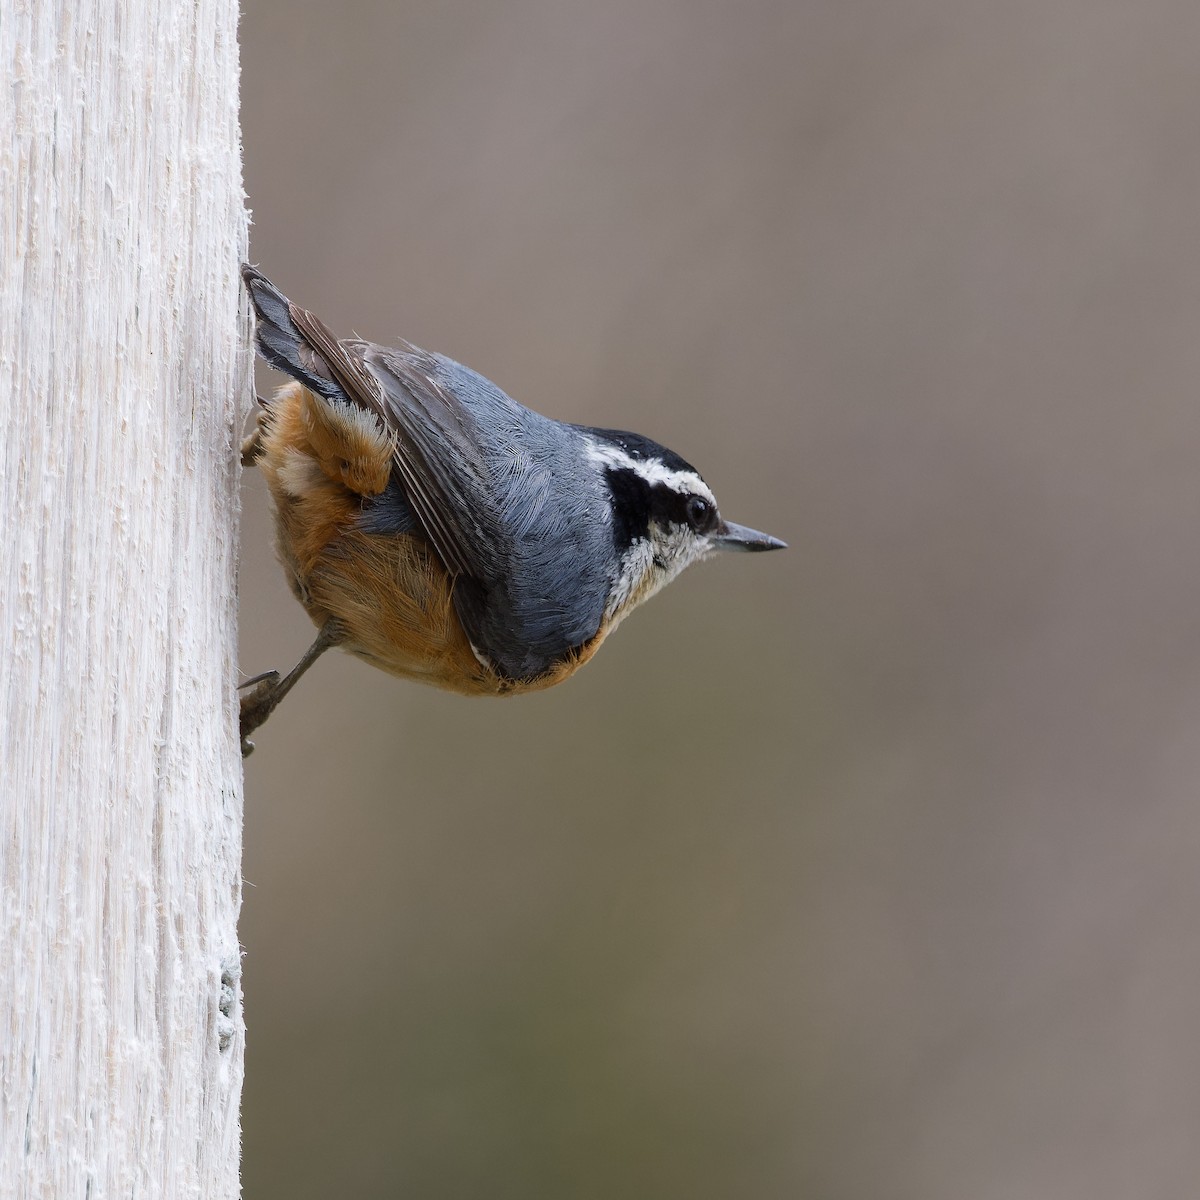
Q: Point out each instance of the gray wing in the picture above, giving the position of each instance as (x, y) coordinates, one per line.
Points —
(498, 491)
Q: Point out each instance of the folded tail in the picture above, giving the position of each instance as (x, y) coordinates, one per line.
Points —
(281, 343)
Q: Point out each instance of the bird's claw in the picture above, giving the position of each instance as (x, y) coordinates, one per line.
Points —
(256, 706)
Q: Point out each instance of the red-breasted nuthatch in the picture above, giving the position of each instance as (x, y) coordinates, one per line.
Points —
(443, 532)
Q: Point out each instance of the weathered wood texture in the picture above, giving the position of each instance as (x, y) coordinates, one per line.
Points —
(123, 371)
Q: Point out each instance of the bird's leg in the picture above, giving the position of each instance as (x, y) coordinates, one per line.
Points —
(252, 447)
(268, 689)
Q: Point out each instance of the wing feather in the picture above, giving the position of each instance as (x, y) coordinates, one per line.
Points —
(431, 490)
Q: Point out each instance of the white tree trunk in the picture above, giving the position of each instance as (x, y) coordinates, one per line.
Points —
(123, 372)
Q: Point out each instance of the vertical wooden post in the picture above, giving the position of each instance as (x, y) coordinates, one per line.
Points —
(123, 373)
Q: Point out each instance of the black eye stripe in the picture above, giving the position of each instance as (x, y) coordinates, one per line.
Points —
(637, 503)
(667, 506)
(631, 506)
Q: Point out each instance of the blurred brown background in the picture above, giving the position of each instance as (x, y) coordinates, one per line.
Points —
(865, 869)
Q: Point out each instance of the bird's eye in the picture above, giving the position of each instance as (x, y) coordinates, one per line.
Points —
(700, 514)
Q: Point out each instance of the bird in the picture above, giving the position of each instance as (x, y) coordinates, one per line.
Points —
(437, 529)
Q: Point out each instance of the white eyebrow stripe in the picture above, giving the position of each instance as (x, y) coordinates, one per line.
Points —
(652, 471)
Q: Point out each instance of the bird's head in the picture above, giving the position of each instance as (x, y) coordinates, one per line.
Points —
(664, 516)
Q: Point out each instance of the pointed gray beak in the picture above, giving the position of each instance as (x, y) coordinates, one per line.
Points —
(737, 537)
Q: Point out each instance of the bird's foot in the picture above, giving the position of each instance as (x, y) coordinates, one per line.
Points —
(257, 704)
